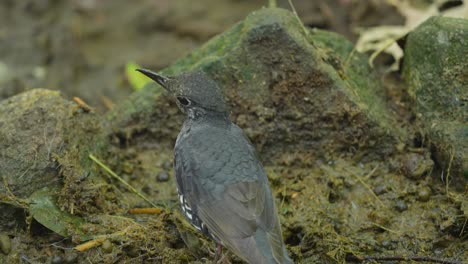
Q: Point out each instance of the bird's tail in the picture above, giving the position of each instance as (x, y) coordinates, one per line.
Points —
(263, 248)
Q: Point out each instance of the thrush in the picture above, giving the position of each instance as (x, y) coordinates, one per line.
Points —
(222, 186)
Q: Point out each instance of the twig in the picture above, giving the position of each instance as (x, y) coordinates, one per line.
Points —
(57, 246)
(367, 186)
(82, 104)
(97, 241)
(90, 244)
(386, 228)
(448, 173)
(463, 228)
(353, 258)
(153, 210)
(348, 58)
(113, 174)
(376, 53)
(306, 32)
(107, 102)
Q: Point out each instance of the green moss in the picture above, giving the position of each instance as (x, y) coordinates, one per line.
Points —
(435, 70)
(435, 67)
(356, 77)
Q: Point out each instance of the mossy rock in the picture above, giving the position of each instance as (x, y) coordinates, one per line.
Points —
(435, 69)
(291, 90)
(44, 142)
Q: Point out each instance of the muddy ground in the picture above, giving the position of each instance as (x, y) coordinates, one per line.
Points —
(330, 206)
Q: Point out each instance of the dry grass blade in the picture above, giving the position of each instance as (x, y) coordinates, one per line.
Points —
(113, 174)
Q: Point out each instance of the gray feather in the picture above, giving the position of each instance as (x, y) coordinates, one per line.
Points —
(230, 190)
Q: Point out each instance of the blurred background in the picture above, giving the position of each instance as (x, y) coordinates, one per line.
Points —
(81, 47)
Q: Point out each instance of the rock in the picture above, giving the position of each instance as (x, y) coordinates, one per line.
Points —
(107, 246)
(45, 141)
(5, 244)
(401, 206)
(415, 165)
(424, 194)
(71, 257)
(31, 133)
(380, 189)
(167, 165)
(435, 68)
(57, 259)
(292, 91)
(163, 176)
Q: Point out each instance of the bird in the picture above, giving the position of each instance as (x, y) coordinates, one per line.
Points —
(222, 186)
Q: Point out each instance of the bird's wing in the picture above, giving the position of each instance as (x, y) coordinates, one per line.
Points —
(229, 190)
(244, 219)
(182, 170)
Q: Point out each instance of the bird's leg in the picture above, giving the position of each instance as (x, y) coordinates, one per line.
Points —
(224, 260)
(218, 253)
(219, 258)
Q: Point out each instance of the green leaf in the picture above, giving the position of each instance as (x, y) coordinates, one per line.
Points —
(44, 209)
(136, 79)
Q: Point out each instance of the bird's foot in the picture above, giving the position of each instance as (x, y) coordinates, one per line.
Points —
(224, 260)
(218, 254)
(219, 257)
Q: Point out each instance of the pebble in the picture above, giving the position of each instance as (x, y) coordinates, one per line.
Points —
(5, 243)
(401, 206)
(163, 176)
(424, 194)
(56, 260)
(416, 165)
(107, 246)
(386, 244)
(71, 257)
(167, 165)
(380, 189)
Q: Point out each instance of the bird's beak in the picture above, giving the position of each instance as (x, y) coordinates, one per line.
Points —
(162, 80)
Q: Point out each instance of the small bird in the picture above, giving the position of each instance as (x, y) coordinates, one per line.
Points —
(222, 186)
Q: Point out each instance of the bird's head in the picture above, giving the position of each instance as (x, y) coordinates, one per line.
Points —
(194, 91)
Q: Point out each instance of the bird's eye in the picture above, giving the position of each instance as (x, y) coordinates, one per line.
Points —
(183, 101)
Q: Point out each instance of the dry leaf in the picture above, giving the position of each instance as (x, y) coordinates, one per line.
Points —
(383, 38)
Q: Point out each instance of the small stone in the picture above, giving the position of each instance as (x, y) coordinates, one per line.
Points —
(415, 165)
(163, 176)
(107, 246)
(386, 244)
(5, 243)
(71, 257)
(167, 165)
(424, 194)
(56, 260)
(380, 189)
(401, 206)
